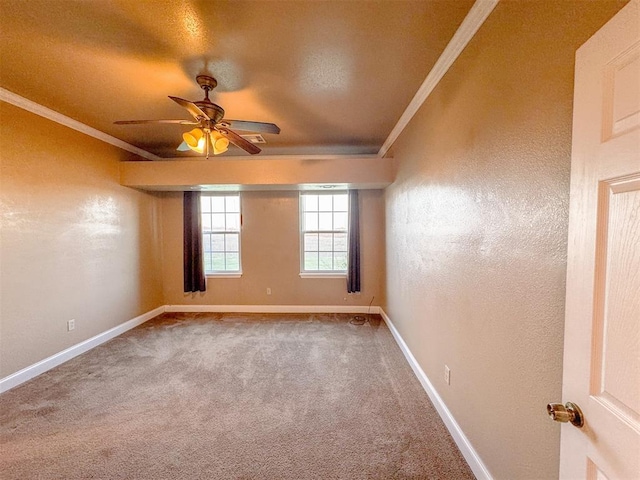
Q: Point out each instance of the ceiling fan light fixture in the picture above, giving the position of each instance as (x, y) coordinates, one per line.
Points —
(201, 145)
(220, 143)
(195, 139)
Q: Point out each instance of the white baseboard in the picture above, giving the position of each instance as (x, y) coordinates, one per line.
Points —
(42, 366)
(471, 456)
(273, 308)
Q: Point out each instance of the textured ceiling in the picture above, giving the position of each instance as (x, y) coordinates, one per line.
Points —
(334, 75)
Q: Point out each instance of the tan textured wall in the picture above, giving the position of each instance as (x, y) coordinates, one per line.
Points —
(271, 256)
(75, 244)
(477, 227)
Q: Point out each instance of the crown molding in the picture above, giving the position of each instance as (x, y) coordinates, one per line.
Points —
(287, 156)
(33, 107)
(468, 28)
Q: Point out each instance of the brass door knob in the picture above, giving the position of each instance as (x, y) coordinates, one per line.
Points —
(569, 412)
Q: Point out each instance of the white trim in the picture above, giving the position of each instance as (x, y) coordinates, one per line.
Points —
(471, 456)
(59, 358)
(297, 156)
(468, 28)
(273, 308)
(323, 275)
(33, 107)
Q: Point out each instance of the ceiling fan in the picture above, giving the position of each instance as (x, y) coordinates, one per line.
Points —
(213, 132)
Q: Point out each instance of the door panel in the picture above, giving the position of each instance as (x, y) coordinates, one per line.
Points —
(616, 333)
(602, 328)
(621, 94)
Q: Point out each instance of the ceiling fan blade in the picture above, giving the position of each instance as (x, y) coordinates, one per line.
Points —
(183, 147)
(192, 107)
(238, 141)
(260, 127)
(142, 122)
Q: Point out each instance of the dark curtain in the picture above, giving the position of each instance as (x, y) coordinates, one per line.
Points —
(353, 268)
(194, 280)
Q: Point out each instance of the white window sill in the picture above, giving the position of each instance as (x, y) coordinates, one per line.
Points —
(224, 275)
(323, 275)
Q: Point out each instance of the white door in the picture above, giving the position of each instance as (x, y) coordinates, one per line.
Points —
(602, 332)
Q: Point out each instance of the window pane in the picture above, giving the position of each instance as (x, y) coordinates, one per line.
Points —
(340, 203)
(325, 222)
(340, 261)
(231, 240)
(310, 261)
(208, 264)
(233, 204)
(206, 222)
(310, 203)
(310, 221)
(217, 242)
(340, 221)
(233, 222)
(217, 261)
(233, 261)
(325, 243)
(217, 204)
(325, 203)
(311, 242)
(205, 203)
(325, 261)
(217, 221)
(340, 242)
(206, 242)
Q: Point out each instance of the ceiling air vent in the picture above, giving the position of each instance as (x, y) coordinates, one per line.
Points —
(254, 138)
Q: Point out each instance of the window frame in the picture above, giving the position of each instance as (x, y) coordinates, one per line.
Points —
(304, 273)
(238, 232)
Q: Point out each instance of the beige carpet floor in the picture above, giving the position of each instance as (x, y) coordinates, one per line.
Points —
(230, 396)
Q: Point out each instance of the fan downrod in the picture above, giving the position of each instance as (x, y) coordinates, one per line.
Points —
(213, 111)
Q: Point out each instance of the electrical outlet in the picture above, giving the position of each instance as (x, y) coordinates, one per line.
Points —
(447, 375)
(71, 324)
(268, 291)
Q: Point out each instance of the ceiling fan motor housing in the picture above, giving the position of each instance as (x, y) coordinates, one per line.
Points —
(206, 82)
(213, 111)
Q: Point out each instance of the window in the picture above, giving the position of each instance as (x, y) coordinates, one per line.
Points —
(323, 219)
(221, 233)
